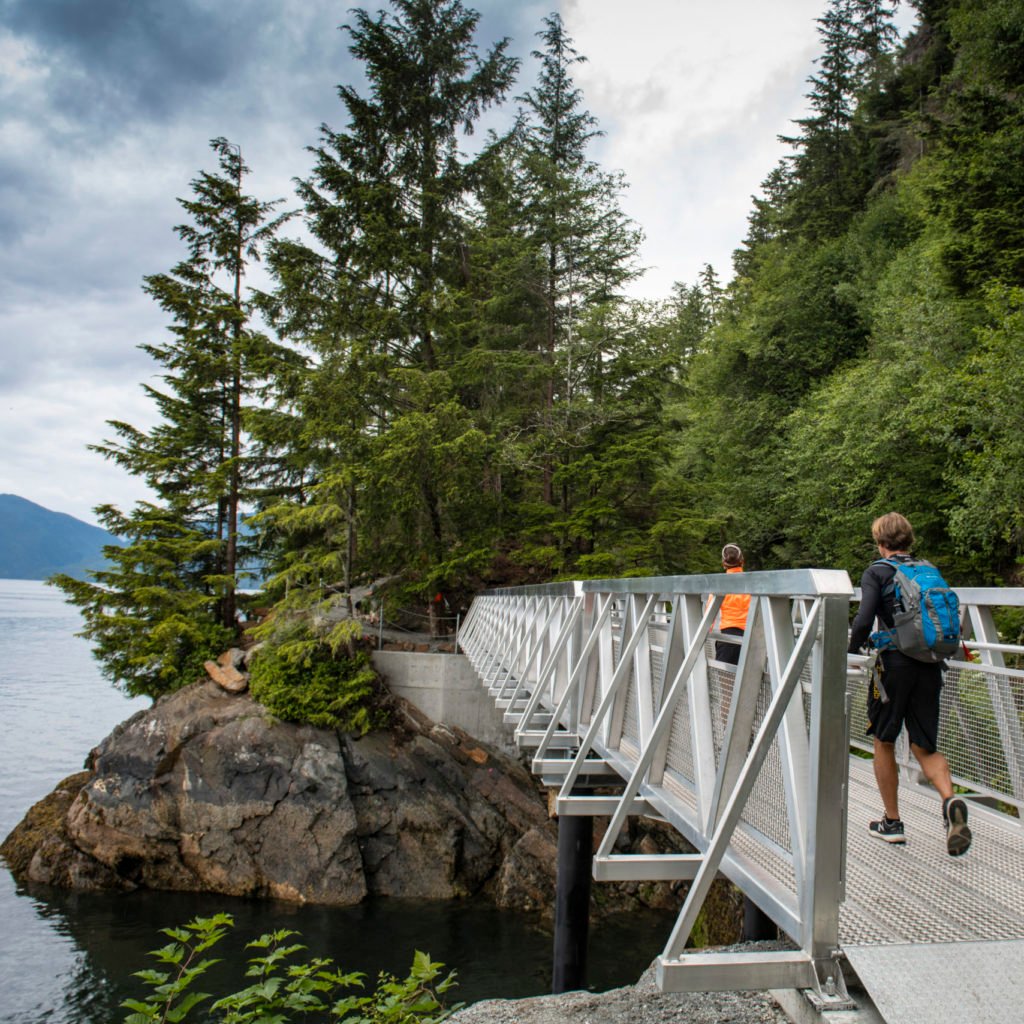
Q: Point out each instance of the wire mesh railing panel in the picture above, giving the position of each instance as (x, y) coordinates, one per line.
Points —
(656, 635)
(973, 703)
(595, 698)
(679, 751)
(682, 791)
(773, 860)
(630, 721)
(857, 695)
(720, 687)
(766, 809)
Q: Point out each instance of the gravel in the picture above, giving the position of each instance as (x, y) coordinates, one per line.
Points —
(642, 1003)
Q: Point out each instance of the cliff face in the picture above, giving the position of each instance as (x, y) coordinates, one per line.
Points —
(205, 791)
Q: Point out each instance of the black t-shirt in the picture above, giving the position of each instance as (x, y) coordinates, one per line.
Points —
(876, 601)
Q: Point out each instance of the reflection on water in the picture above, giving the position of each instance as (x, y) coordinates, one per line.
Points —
(68, 958)
(92, 942)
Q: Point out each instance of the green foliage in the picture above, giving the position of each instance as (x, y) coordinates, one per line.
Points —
(863, 360)
(476, 402)
(989, 473)
(323, 678)
(153, 615)
(282, 990)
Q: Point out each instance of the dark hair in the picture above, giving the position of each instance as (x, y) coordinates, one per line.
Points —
(732, 556)
(893, 531)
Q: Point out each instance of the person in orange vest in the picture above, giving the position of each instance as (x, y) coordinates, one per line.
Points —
(732, 619)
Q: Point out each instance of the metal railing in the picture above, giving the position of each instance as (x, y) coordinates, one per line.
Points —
(616, 678)
(614, 682)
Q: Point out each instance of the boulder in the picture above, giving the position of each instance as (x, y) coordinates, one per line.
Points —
(206, 791)
(225, 671)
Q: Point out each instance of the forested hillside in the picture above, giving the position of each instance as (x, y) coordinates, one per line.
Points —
(36, 543)
(868, 353)
(447, 381)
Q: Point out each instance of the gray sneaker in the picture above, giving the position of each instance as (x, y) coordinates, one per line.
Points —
(958, 835)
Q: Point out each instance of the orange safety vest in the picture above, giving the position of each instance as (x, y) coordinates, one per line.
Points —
(734, 608)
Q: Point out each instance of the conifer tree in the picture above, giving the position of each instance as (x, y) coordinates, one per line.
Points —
(385, 204)
(167, 600)
(832, 166)
(586, 247)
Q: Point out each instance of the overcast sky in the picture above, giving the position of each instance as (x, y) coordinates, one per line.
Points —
(106, 112)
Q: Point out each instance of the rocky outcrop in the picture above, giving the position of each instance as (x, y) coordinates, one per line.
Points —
(205, 791)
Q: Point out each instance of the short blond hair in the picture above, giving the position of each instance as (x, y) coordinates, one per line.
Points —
(893, 531)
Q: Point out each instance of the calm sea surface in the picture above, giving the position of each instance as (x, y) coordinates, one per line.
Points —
(68, 958)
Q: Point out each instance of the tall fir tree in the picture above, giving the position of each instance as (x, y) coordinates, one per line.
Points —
(586, 248)
(168, 600)
(385, 204)
(834, 166)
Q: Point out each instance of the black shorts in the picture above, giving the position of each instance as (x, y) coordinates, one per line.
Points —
(913, 688)
(727, 651)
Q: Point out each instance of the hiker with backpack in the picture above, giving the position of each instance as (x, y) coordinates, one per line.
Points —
(919, 619)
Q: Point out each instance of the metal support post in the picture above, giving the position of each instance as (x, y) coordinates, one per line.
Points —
(572, 902)
(757, 925)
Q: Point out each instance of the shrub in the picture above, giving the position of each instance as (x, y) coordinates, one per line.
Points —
(282, 990)
(326, 681)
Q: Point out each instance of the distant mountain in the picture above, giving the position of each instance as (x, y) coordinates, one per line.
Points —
(36, 543)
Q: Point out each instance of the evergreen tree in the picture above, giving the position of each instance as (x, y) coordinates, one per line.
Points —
(169, 600)
(766, 221)
(586, 247)
(833, 166)
(372, 298)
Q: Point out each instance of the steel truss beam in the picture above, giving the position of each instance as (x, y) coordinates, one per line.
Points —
(613, 679)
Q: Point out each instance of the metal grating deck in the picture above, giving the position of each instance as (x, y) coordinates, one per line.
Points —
(917, 893)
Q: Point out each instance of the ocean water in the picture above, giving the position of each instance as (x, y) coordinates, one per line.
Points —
(69, 958)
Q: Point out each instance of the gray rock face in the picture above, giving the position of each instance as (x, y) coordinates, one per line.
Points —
(205, 791)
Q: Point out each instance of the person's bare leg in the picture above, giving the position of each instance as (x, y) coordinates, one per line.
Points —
(935, 768)
(887, 777)
(954, 808)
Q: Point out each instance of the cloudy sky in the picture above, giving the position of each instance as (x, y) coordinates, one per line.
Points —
(106, 112)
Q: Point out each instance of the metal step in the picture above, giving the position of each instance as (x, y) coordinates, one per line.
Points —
(560, 766)
(939, 982)
(560, 741)
(640, 867)
(599, 805)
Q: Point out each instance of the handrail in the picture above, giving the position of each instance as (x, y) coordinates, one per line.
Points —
(617, 679)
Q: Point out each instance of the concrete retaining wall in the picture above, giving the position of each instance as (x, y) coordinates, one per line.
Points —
(445, 688)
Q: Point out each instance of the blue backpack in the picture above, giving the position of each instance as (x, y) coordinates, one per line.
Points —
(926, 613)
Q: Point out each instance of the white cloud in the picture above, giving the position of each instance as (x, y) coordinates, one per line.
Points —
(46, 431)
(692, 97)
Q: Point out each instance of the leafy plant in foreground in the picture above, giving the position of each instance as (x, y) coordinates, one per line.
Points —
(282, 991)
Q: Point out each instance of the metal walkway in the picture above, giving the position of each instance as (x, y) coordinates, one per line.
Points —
(615, 687)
